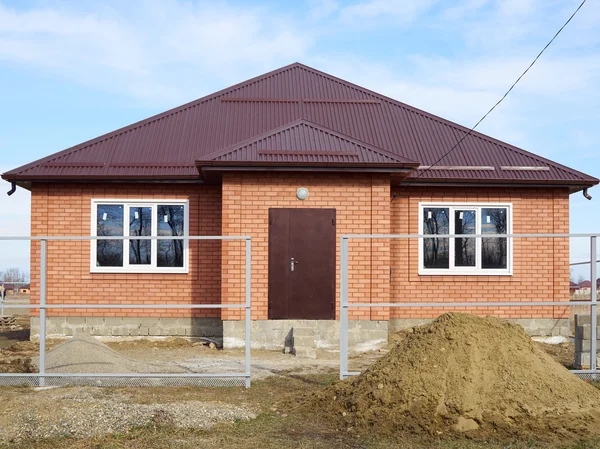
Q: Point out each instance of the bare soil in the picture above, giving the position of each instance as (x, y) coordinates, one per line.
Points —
(49, 419)
(274, 412)
(563, 353)
(465, 374)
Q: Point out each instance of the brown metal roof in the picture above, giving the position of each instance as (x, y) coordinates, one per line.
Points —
(303, 141)
(285, 112)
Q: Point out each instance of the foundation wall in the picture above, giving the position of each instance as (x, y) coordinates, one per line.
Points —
(319, 334)
(130, 327)
(536, 327)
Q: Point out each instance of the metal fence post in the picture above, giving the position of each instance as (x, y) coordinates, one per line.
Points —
(2, 300)
(248, 309)
(593, 305)
(343, 307)
(42, 367)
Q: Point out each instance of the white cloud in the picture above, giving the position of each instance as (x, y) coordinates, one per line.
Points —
(402, 12)
(320, 9)
(504, 24)
(551, 76)
(460, 103)
(158, 52)
(515, 8)
(459, 10)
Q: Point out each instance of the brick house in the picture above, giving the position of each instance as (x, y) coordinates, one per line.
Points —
(294, 158)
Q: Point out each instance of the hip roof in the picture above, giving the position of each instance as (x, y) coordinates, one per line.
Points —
(297, 115)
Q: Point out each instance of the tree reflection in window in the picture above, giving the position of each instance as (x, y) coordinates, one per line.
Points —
(170, 220)
(140, 224)
(436, 250)
(494, 249)
(109, 222)
(464, 247)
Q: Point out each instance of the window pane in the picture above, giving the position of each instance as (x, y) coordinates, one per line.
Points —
(436, 250)
(109, 222)
(494, 250)
(464, 248)
(170, 223)
(140, 224)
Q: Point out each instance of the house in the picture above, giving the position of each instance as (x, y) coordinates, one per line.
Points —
(15, 288)
(573, 287)
(8, 288)
(585, 286)
(294, 158)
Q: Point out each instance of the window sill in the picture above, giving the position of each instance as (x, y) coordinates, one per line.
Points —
(424, 272)
(108, 270)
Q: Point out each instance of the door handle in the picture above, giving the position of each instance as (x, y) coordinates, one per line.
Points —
(292, 263)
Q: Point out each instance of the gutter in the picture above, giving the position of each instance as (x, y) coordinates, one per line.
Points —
(13, 188)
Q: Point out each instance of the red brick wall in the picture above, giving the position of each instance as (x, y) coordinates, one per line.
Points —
(362, 206)
(540, 268)
(362, 203)
(64, 209)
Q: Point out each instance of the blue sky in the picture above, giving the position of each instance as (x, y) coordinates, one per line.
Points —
(70, 71)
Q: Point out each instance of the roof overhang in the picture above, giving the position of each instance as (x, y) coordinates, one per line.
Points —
(212, 171)
(522, 183)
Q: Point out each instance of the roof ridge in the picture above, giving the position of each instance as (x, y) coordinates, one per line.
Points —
(304, 121)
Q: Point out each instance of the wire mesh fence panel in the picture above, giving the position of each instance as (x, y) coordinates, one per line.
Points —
(93, 311)
(533, 290)
(116, 381)
(593, 378)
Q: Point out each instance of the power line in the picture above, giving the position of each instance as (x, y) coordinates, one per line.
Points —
(503, 97)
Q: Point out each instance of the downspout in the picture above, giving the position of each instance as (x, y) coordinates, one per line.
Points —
(13, 189)
(585, 194)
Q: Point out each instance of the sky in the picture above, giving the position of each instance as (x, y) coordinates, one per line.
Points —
(71, 71)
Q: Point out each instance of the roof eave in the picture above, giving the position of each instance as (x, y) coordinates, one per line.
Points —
(573, 186)
(86, 178)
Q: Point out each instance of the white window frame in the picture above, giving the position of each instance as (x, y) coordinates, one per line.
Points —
(469, 271)
(134, 268)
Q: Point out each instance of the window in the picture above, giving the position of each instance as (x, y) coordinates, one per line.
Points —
(464, 254)
(142, 218)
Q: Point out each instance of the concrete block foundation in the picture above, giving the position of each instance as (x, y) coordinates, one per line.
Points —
(583, 342)
(536, 327)
(306, 334)
(129, 327)
(300, 337)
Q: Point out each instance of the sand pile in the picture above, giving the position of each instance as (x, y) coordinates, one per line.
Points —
(462, 373)
(85, 354)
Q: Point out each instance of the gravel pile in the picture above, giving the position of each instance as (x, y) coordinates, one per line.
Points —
(85, 354)
(83, 414)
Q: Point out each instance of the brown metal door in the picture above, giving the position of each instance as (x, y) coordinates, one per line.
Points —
(302, 264)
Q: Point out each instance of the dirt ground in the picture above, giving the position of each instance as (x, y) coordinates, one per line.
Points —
(272, 414)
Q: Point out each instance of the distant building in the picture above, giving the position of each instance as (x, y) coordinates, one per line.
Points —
(16, 288)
